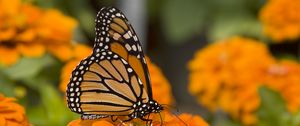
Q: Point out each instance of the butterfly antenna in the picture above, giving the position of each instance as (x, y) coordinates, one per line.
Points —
(179, 118)
(161, 120)
(171, 106)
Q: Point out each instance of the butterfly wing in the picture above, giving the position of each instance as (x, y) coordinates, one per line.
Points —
(114, 33)
(104, 84)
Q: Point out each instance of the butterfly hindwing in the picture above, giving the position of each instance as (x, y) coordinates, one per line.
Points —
(104, 84)
(114, 33)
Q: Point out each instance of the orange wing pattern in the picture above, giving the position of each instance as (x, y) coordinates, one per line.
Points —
(104, 84)
(114, 33)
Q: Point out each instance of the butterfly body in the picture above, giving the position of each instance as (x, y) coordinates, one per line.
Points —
(114, 80)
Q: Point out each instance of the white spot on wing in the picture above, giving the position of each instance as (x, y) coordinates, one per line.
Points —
(126, 36)
(129, 33)
(135, 38)
(116, 36)
(139, 48)
(140, 82)
(129, 70)
(128, 47)
(134, 47)
(124, 61)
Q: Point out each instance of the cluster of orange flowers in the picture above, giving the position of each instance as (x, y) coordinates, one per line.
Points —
(168, 120)
(26, 30)
(11, 113)
(227, 75)
(281, 19)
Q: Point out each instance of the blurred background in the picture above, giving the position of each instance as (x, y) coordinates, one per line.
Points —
(181, 37)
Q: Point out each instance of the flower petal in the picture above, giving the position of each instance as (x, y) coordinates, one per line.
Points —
(31, 50)
(8, 56)
(62, 52)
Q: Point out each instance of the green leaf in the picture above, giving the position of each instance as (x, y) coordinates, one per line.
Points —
(7, 89)
(57, 111)
(28, 67)
(50, 106)
(272, 111)
(37, 116)
(296, 119)
(7, 85)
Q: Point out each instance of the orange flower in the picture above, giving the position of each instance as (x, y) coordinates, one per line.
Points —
(281, 19)
(11, 113)
(99, 122)
(188, 119)
(226, 75)
(168, 120)
(26, 30)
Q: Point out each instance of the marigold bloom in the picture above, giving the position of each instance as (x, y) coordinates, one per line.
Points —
(227, 75)
(168, 120)
(26, 30)
(281, 19)
(11, 113)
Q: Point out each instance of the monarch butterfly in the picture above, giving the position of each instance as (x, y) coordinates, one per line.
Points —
(114, 80)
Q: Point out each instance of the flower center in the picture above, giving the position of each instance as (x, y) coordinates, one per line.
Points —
(8, 44)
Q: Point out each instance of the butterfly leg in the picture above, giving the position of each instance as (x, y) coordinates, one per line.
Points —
(147, 120)
(112, 118)
(128, 119)
(150, 122)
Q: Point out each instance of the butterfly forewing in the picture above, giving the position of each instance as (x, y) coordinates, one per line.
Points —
(114, 33)
(104, 84)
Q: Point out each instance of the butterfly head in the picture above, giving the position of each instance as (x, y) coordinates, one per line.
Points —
(143, 109)
(155, 107)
